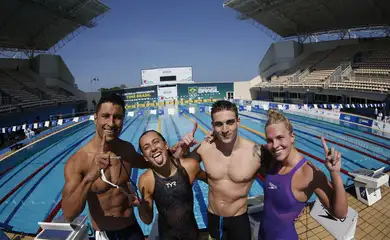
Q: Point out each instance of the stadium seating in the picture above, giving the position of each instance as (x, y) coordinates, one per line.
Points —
(27, 93)
(368, 66)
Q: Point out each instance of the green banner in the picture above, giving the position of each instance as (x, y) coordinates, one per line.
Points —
(201, 91)
(137, 97)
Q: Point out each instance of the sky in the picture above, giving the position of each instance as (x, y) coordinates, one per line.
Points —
(141, 34)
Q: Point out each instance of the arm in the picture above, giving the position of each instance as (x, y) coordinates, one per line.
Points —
(195, 154)
(202, 176)
(332, 195)
(137, 159)
(145, 184)
(194, 170)
(75, 191)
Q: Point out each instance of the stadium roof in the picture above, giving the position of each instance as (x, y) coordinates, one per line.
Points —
(290, 18)
(41, 24)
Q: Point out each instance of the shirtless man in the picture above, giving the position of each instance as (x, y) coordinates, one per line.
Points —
(109, 195)
(232, 162)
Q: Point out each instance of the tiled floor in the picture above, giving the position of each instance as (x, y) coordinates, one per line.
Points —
(373, 221)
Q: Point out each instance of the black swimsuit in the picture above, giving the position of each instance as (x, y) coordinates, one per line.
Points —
(175, 204)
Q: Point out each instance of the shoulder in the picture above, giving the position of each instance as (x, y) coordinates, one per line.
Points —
(311, 173)
(189, 163)
(146, 178)
(248, 144)
(127, 145)
(74, 159)
(77, 162)
(251, 147)
(146, 182)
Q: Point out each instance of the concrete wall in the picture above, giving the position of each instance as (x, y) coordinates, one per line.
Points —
(90, 96)
(241, 90)
(52, 66)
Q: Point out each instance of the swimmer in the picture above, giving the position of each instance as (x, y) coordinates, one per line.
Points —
(231, 163)
(291, 180)
(169, 184)
(99, 174)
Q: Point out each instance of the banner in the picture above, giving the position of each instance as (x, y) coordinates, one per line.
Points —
(137, 97)
(202, 91)
(356, 119)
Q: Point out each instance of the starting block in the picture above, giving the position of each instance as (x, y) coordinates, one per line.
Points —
(59, 122)
(368, 184)
(76, 119)
(161, 112)
(171, 111)
(59, 229)
(339, 228)
(130, 114)
(248, 108)
(209, 109)
(191, 110)
(153, 112)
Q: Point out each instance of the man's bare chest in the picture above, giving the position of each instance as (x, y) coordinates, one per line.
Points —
(239, 167)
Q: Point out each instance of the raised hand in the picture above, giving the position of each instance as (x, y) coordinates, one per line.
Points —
(140, 201)
(181, 147)
(332, 158)
(209, 137)
(189, 138)
(100, 160)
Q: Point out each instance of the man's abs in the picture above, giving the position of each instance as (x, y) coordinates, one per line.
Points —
(110, 211)
(228, 199)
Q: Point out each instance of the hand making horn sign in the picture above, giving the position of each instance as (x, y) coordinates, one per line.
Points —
(332, 157)
(188, 141)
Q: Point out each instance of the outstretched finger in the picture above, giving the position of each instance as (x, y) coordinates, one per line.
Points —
(103, 144)
(324, 146)
(194, 128)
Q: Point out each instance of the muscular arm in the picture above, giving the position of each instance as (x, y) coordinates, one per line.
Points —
(194, 170)
(195, 154)
(145, 185)
(75, 191)
(332, 195)
(137, 159)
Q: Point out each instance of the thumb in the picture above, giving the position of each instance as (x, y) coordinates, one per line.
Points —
(194, 128)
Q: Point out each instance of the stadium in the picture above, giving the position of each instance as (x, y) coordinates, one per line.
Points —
(328, 71)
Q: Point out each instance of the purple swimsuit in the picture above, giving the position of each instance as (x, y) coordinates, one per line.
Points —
(281, 208)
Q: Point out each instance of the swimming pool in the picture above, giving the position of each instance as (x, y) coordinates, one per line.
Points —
(32, 189)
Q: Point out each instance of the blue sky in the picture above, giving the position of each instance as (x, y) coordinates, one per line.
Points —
(138, 34)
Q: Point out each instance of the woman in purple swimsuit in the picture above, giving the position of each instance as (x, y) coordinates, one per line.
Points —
(291, 180)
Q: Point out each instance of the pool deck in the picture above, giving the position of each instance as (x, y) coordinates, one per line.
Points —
(373, 222)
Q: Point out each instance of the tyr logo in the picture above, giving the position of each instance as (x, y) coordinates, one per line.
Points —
(172, 184)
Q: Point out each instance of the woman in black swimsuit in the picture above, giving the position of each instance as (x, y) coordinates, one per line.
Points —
(169, 184)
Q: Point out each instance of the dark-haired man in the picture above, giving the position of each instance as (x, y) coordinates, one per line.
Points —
(231, 163)
(99, 173)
